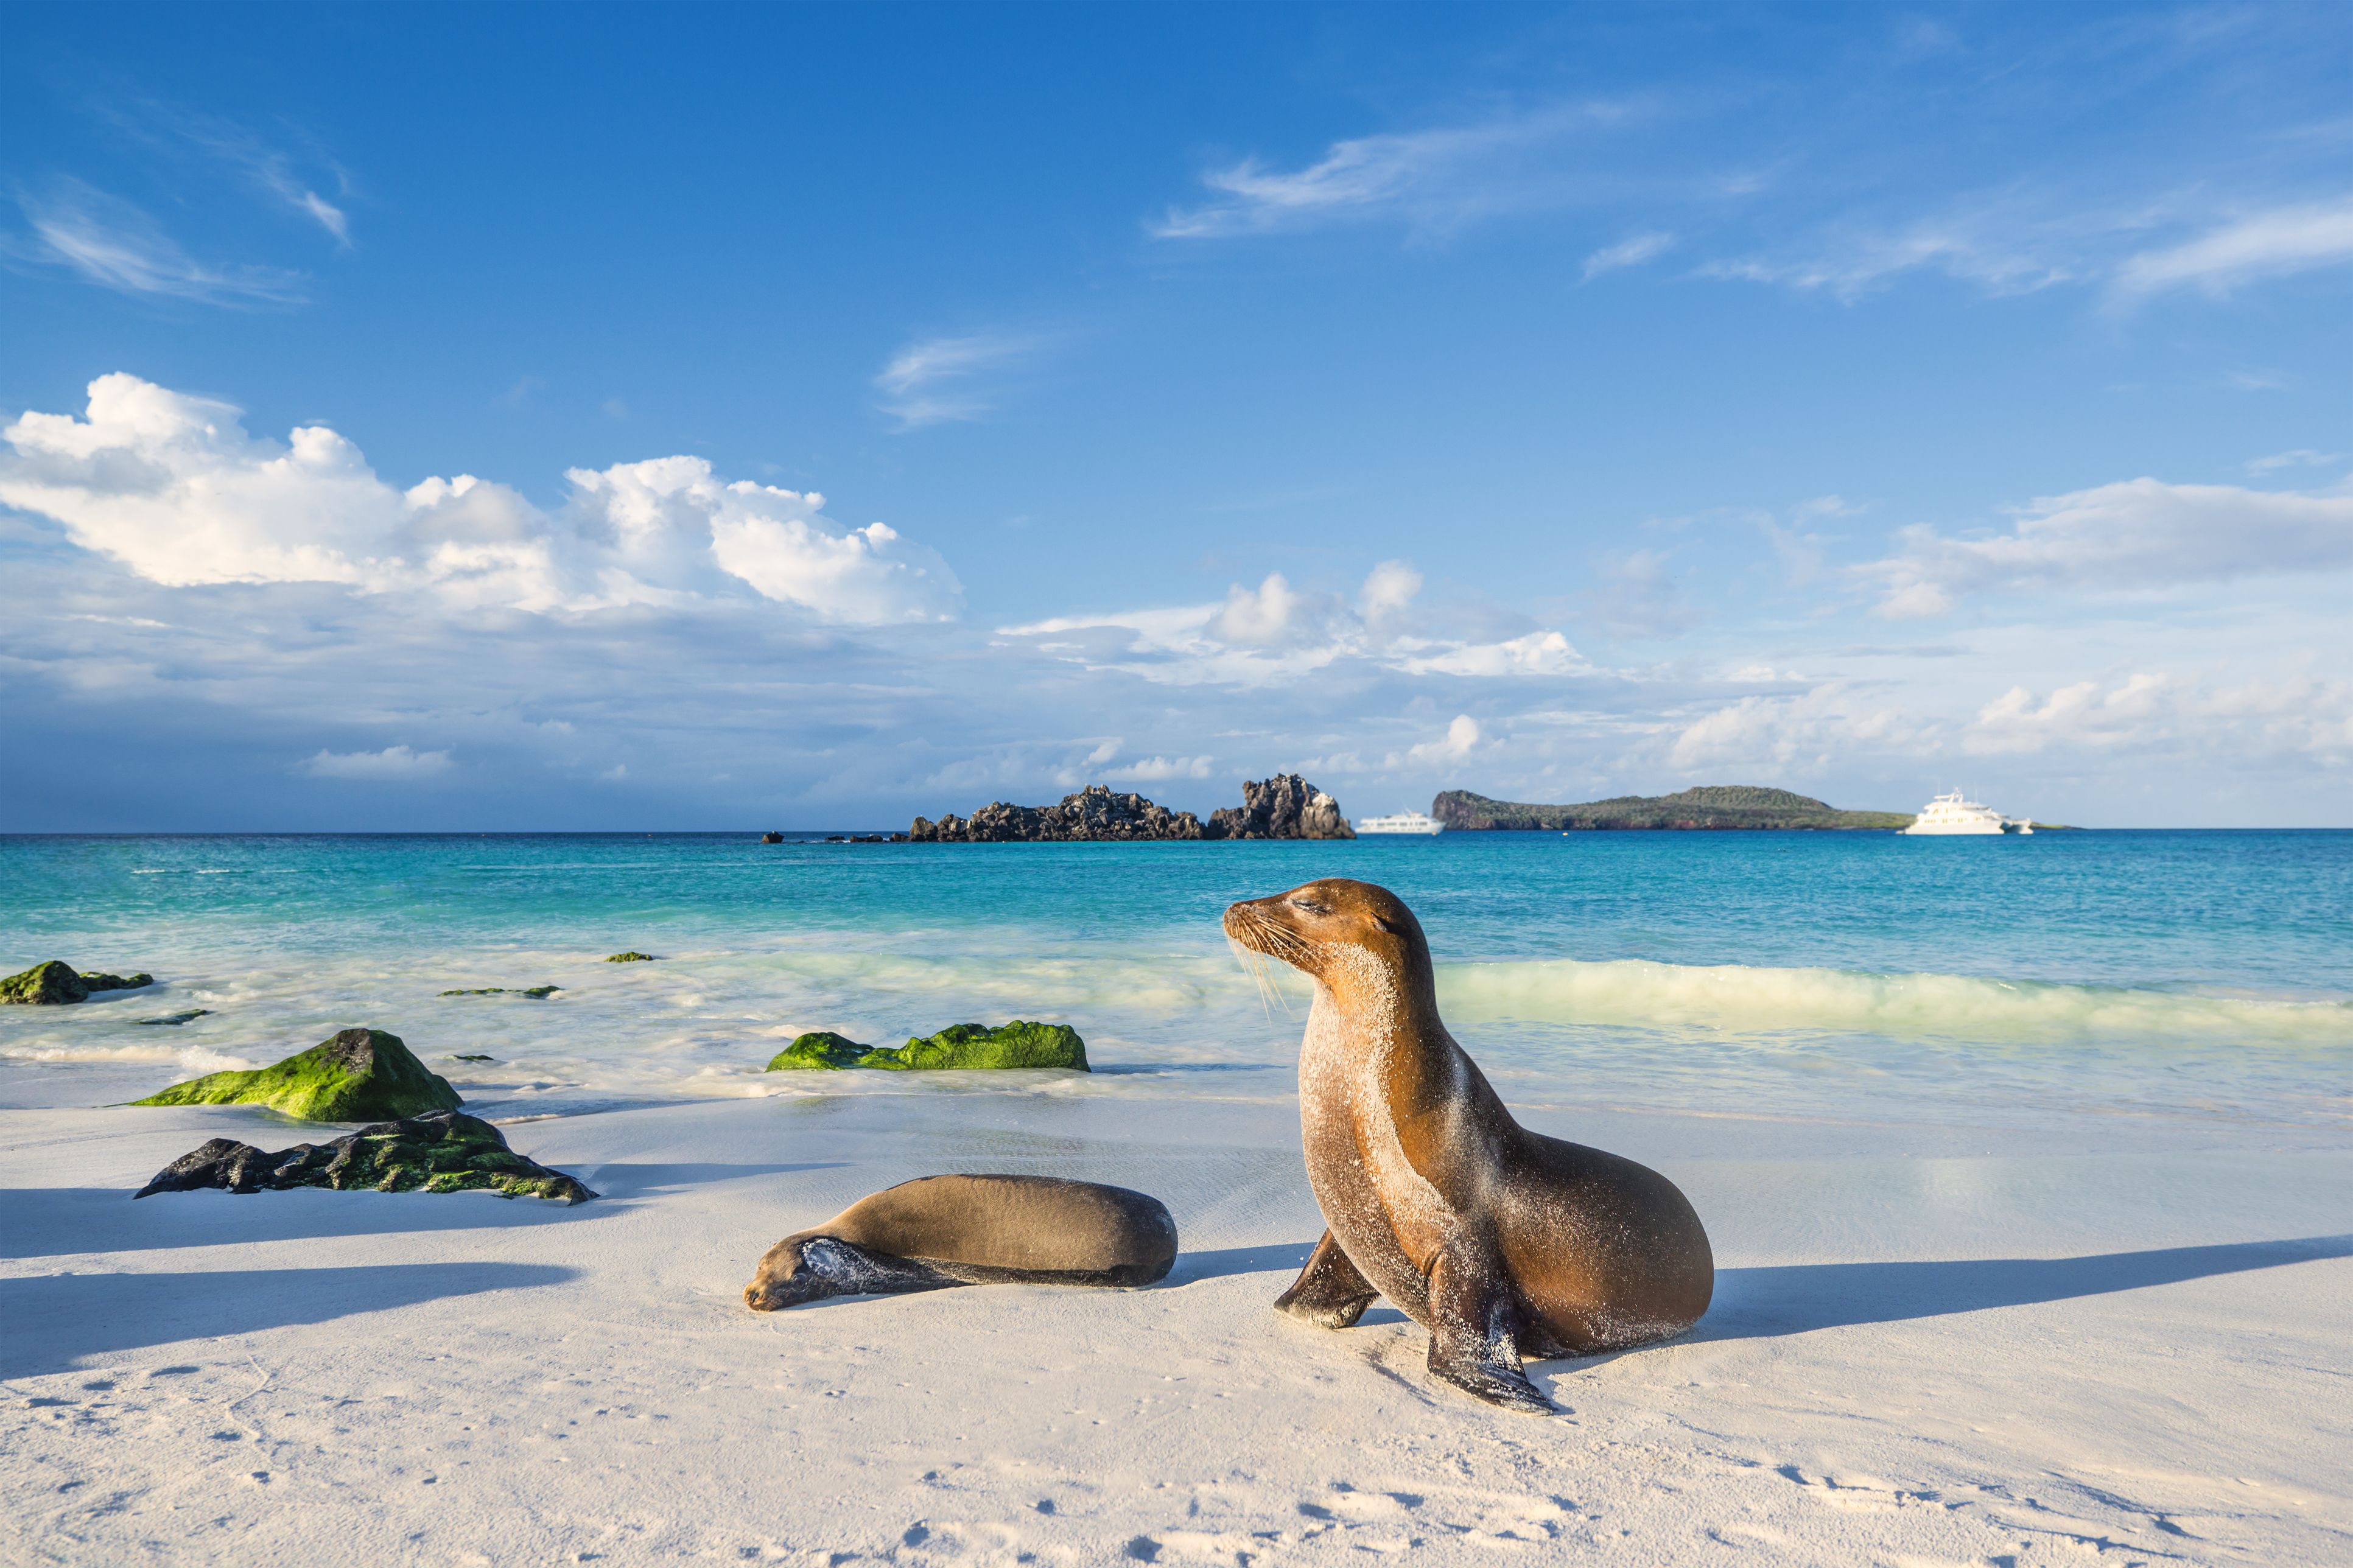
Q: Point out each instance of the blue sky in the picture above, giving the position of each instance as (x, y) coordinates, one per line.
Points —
(715, 417)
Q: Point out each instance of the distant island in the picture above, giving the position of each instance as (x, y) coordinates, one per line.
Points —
(1707, 807)
(1284, 807)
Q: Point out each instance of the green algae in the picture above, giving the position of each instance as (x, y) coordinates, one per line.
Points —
(440, 1152)
(360, 1075)
(56, 984)
(632, 956)
(958, 1048)
(821, 1049)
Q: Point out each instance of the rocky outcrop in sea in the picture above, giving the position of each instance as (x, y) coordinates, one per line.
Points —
(57, 983)
(1284, 807)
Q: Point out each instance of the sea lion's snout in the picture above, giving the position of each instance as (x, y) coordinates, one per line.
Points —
(1258, 924)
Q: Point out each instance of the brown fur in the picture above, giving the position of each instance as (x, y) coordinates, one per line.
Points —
(968, 1230)
(1501, 1242)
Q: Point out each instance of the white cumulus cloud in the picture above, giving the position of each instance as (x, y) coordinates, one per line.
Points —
(392, 763)
(1463, 737)
(1154, 769)
(1262, 616)
(173, 486)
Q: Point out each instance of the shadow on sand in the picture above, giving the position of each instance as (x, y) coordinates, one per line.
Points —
(55, 1222)
(1793, 1298)
(1289, 1256)
(626, 1181)
(57, 1320)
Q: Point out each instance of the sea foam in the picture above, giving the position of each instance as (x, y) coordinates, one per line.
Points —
(1736, 998)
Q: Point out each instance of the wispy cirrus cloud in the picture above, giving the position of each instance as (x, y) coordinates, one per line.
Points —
(938, 380)
(2274, 242)
(291, 170)
(2137, 533)
(117, 245)
(1631, 251)
(1436, 179)
(2021, 242)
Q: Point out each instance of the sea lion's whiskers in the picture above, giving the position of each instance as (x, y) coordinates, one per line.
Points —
(1249, 961)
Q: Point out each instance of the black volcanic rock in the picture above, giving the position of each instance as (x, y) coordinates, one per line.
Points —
(1284, 807)
(442, 1152)
(1095, 815)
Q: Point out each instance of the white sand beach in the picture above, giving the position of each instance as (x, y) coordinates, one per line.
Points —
(1928, 1346)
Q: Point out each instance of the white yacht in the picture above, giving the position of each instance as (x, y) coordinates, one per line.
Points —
(1403, 822)
(1951, 814)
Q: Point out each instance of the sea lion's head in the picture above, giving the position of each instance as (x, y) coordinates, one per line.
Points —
(1319, 927)
(789, 1274)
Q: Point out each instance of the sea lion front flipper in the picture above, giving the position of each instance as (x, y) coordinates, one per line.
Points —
(1330, 1292)
(1474, 1330)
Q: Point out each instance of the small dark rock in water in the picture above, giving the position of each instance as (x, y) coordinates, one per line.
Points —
(359, 1075)
(540, 993)
(442, 1152)
(189, 1016)
(463, 1057)
(55, 984)
(632, 957)
(771, 838)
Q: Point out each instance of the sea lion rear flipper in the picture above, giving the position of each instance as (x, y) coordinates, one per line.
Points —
(1330, 1292)
(1474, 1330)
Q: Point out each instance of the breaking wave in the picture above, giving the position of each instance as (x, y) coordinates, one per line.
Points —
(1730, 998)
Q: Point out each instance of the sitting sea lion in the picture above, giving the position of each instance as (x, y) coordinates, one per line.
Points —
(1499, 1241)
(938, 1231)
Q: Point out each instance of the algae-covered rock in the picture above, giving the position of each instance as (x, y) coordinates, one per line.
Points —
(1015, 1044)
(44, 985)
(821, 1049)
(632, 957)
(190, 1016)
(55, 982)
(360, 1075)
(440, 1152)
(958, 1048)
(537, 993)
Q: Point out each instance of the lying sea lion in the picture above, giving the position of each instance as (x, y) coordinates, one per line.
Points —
(1499, 1241)
(938, 1231)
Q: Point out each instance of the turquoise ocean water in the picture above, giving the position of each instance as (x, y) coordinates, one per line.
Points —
(2075, 985)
